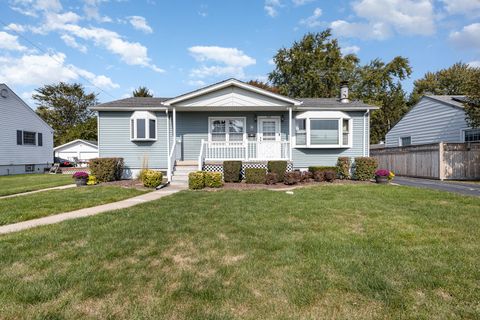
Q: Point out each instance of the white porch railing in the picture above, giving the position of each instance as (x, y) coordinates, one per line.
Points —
(171, 161)
(244, 150)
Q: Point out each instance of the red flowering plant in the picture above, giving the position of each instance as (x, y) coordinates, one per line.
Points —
(385, 173)
(80, 175)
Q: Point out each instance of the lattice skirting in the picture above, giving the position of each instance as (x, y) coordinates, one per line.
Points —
(217, 167)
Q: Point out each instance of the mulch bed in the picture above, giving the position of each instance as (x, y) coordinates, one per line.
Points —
(281, 186)
(131, 183)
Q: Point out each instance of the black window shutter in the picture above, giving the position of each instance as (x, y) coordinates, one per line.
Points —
(19, 137)
(40, 139)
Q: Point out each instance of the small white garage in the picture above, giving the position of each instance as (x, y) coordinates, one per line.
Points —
(81, 149)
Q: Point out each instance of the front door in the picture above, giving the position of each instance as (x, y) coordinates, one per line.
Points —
(269, 137)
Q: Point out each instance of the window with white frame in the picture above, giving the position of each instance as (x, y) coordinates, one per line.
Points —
(227, 129)
(143, 126)
(323, 129)
(405, 141)
(471, 135)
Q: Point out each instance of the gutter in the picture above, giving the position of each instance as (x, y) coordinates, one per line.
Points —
(365, 154)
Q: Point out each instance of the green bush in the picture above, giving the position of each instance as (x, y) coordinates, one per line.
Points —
(255, 175)
(314, 169)
(213, 179)
(365, 168)
(278, 167)
(271, 178)
(330, 175)
(343, 167)
(106, 169)
(307, 176)
(196, 180)
(319, 176)
(232, 170)
(292, 177)
(151, 178)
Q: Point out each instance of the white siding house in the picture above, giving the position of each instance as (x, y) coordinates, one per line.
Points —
(26, 141)
(433, 119)
(80, 149)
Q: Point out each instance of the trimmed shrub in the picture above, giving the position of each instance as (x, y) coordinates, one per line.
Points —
(255, 175)
(271, 178)
(319, 176)
(292, 177)
(106, 169)
(307, 176)
(152, 178)
(343, 168)
(330, 175)
(278, 167)
(365, 168)
(196, 180)
(232, 170)
(314, 169)
(213, 179)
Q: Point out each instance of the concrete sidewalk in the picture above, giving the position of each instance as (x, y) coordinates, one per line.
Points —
(68, 186)
(86, 212)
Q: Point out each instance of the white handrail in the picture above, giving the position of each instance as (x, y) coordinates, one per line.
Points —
(244, 150)
(201, 156)
(171, 161)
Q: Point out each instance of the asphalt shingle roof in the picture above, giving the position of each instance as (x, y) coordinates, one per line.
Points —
(455, 100)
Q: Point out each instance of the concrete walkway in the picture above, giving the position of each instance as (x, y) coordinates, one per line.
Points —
(86, 212)
(68, 186)
(472, 189)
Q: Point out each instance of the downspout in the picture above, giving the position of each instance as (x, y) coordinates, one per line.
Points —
(169, 165)
(290, 132)
(365, 153)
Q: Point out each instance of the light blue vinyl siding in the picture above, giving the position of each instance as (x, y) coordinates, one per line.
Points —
(114, 141)
(305, 157)
(192, 127)
(429, 121)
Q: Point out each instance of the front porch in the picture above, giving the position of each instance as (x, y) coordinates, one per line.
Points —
(244, 150)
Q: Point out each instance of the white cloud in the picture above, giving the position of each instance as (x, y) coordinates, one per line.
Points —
(10, 42)
(350, 50)
(219, 61)
(385, 17)
(474, 64)
(196, 83)
(140, 23)
(92, 11)
(271, 62)
(71, 42)
(39, 70)
(301, 2)
(467, 38)
(15, 27)
(463, 7)
(271, 7)
(32, 7)
(314, 20)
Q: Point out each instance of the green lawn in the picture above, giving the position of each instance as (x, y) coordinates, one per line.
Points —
(30, 182)
(47, 203)
(343, 252)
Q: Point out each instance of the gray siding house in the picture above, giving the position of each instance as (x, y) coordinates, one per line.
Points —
(26, 141)
(433, 119)
(231, 120)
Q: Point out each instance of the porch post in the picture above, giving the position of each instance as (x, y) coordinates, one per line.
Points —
(290, 130)
(174, 125)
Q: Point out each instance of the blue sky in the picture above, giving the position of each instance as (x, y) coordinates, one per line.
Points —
(114, 46)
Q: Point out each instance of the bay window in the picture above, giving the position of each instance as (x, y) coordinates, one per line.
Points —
(227, 129)
(143, 126)
(323, 129)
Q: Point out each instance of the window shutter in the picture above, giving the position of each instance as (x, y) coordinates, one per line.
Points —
(19, 137)
(40, 139)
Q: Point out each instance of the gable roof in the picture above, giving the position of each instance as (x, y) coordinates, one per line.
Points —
(25, 105)
(453, 100)
(89, 142)
(133, 103)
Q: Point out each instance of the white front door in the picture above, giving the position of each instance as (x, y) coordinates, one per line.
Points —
(269, 137)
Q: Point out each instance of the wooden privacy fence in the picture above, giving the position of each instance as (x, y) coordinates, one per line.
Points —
(456, 161)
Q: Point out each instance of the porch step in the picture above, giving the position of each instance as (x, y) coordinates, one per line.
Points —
(179, 170)
(187, 163)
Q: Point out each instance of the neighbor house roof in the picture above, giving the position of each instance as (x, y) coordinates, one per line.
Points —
(454, 100)
(132, 103)
(89, 142)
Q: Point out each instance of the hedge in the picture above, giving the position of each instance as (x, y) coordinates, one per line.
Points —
(278, 167)
(343, 168)
(255, 175)
(232, 170)
(330, 175)
(151, 178)
(196, 180)
(271, 178)
(365, 168)
(292, 177)
(314, 169)
(106, 169)
(213, 179)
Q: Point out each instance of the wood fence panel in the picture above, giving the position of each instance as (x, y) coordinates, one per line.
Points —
(462, 161)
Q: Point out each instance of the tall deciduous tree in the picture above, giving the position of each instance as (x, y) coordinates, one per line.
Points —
(142, 92)
(313, 67)
(263, 85)
(472, 107)
(65, 108)
(449, 81)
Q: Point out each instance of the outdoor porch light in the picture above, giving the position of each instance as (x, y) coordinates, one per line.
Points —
(282, 118)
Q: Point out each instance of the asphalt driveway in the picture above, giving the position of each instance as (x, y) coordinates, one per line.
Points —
(466, 188)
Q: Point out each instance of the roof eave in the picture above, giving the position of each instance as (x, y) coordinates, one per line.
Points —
(123, 108)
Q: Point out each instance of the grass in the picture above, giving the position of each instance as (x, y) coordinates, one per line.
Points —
(30, 182)
(343, 252)
(47, 203)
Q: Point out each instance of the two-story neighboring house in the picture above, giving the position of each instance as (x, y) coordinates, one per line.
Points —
(26, 141)
(433, 119)
(232, 120)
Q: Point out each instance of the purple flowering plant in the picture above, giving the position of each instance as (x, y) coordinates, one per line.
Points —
(80, 175)
(382, 172)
